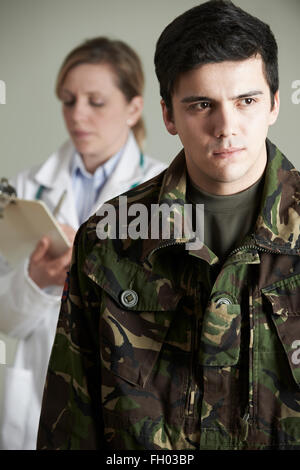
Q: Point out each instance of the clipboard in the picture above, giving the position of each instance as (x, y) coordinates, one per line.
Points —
(23, 223)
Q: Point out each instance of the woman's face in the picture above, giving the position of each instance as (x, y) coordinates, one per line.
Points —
(97, 114)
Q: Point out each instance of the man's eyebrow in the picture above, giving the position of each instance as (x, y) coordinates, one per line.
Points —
(248, 94)
(193, 98)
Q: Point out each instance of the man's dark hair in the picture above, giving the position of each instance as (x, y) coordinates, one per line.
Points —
(214, 31)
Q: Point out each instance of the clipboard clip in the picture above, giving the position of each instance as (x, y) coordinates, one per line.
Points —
(7, 194)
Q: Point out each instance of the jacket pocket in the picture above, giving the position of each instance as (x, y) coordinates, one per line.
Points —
(137, 306)
(220, 335)
(284, 297)
(131, 341)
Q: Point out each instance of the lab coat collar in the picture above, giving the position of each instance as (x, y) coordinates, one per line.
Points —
(129, 165)
(128, 172)
(55, 174)
(56, 170)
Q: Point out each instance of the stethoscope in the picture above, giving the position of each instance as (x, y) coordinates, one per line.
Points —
(141, 164)
(42, 188)
(39, 192)
(56, 210)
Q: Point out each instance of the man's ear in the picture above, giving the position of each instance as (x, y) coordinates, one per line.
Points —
(168, 118)
(275, 110)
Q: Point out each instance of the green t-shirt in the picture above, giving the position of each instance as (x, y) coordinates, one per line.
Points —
(227, 219)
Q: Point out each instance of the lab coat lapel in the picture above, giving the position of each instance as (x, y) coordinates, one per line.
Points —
(54, 175)
(128, 172)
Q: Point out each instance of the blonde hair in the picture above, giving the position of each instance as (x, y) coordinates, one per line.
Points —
(125, 63)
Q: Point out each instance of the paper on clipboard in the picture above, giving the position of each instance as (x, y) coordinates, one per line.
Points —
(23, 224)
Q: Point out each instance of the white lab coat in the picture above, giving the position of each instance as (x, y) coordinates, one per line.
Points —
(31, 314)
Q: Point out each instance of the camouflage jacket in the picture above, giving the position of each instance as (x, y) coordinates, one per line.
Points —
(161, 347)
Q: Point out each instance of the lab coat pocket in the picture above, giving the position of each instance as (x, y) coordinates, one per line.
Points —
(220, 335)
(284, 297)
(18, 386)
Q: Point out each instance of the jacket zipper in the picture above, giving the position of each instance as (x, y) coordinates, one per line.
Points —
(236, 250)
(252, 247)
(191, 390)
(248, 416)
(192, 386)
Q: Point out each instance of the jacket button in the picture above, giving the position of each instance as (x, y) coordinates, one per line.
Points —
(223, 300)
(129, 298)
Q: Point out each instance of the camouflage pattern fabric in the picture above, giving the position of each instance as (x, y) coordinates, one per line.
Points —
(208, 357)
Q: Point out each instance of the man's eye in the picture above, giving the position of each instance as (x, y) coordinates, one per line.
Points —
(201, 106)
(204, 105)
(248, 101)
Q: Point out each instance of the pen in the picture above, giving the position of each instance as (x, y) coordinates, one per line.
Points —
(59, 204)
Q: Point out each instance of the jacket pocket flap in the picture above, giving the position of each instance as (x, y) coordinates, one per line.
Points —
(284, 298)
(220, 336)
(152, 292)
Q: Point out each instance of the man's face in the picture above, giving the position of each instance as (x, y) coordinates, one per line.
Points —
(222, 112)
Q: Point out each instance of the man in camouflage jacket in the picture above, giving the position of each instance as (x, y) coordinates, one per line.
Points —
(160, 344)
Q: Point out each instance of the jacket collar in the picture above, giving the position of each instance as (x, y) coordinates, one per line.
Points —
(173, 191)
(277, 227)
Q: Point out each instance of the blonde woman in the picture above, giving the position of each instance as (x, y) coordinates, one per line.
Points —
(100, 84)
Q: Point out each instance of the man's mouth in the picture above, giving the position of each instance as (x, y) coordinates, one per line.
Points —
(227, 152)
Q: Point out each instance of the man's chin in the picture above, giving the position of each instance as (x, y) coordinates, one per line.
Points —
(231, 175)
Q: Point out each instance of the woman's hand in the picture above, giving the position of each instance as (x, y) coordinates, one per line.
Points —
(45, 270)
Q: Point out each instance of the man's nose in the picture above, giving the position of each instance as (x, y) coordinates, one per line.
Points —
(225, 123)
